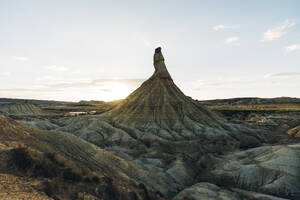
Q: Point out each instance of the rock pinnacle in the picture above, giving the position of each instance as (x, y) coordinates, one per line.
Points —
(159, 65)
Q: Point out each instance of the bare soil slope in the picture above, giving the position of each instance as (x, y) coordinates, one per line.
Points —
(64, 166)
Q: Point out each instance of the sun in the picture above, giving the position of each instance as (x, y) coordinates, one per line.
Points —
(116, 90)
(108, 91)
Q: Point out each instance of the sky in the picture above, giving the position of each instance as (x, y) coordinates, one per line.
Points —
(75, 50)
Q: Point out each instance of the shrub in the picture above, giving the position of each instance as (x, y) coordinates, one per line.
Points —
(22, 159)
(49, 188)
(69, 175)
(34, 163)
(96, 179)
(47, 171)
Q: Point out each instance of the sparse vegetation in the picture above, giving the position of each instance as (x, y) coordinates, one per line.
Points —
(21, 158)
(49, 165)
(64, 179)
(254, 104)
(279, 107)
(59, 172)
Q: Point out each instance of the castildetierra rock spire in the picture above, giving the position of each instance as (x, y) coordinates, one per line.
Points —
(158, 104)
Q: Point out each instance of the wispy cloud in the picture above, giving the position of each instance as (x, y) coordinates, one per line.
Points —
(220, 82)
(279, 31)
(221, 27)
(48, 78)
(5, 73)
(24, 89)
(76, 71)
(98, 82)
(292, 47)
(147, 43)
(21, 58)
(283, 74)
(56, 68)
(232, 40)
(151, 44)
(147, 40)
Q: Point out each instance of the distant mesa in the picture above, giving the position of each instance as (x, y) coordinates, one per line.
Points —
(21, 109)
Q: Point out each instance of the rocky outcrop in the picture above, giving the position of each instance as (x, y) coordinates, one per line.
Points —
(158, 109)
(271, 170)
(210, 191)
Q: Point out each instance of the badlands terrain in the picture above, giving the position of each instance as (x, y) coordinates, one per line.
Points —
(157, 143)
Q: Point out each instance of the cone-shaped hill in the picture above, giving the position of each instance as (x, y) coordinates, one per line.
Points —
(156, 111)
(158, 104)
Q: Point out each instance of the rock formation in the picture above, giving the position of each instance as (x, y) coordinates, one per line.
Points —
(159, 107)
(210, 191)
(271, 170)
(159, 65)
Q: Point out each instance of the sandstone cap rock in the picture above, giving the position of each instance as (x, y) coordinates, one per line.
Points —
(159, 65)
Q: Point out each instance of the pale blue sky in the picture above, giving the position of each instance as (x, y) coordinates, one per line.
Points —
(72, 50)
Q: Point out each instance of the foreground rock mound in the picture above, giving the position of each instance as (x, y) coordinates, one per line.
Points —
(210, 191)
(271, 170)
(63, 166)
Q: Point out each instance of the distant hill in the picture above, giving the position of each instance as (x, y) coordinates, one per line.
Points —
(21, 109)
(4, 101)
(252, 101)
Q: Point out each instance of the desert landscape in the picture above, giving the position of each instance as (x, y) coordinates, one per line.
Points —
(149, 100)
(155, 144)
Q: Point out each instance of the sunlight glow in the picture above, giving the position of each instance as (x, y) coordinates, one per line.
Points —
(116, 91)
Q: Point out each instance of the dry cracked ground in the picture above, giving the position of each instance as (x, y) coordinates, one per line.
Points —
(155, 144)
